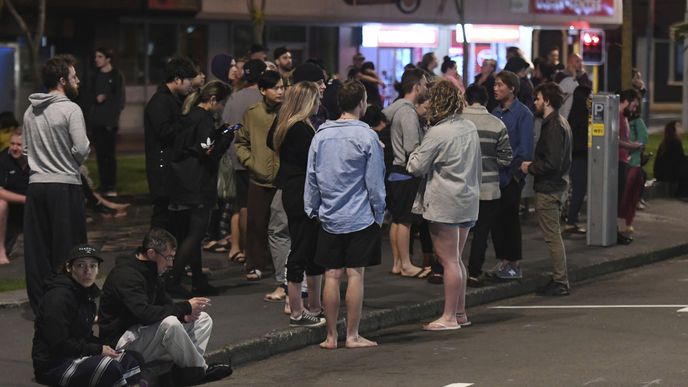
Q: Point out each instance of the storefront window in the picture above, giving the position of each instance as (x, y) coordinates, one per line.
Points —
(131, 54)
(162, 45)
(193, 43)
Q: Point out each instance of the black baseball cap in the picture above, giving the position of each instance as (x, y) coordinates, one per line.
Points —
(83, 251)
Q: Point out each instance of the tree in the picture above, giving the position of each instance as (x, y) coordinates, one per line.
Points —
(33, 40)
(257, 15)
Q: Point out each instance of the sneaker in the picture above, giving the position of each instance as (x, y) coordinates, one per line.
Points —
(320, 314)
(622, 239)
(553, 289)
(492, 273)
(509, 272)
(306, 320)
(215, 372)
(475, 282)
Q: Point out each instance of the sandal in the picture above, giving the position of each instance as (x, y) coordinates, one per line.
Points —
(237, 257)
(422, 273)
(254, 275)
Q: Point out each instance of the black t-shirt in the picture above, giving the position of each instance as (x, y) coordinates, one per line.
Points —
(14, 174)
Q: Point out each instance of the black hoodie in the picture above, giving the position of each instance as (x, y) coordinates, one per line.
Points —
(63, 326)
(134, 293)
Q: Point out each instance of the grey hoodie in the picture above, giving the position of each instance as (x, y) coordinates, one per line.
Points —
(55, 139)
(405, 130)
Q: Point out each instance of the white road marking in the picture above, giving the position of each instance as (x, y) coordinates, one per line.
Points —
(683, 308)
(652, 383)
(459, 385)
(598, 380)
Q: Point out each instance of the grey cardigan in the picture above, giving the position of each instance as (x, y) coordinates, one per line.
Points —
(450, 160)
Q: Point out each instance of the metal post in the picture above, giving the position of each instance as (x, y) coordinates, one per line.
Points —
(649, 40)
(603, 170)
(684, 115)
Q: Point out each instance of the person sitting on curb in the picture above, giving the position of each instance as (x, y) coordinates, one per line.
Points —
(137, 314)
(65, 351)
(14, 180)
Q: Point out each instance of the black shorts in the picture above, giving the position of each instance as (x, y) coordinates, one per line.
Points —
(241, 181)
(357, 249)
(400, 200)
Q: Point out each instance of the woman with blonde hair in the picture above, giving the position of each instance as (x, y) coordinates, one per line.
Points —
(291, 140)
(450, 160)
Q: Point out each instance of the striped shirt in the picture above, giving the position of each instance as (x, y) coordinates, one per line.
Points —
(494, 145)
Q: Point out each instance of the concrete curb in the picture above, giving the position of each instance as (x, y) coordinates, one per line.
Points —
(293, 339)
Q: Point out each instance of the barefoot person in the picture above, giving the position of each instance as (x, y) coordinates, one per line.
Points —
(449, 157)
(345, 190)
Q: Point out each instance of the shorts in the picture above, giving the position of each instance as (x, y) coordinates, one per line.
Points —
(241, 181)
(400, 200)
(357, 249)
(468, 224)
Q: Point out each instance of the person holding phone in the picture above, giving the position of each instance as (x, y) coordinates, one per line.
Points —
(65, 351)
(198, 149)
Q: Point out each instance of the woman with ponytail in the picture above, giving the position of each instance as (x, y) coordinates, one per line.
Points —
(197, 152)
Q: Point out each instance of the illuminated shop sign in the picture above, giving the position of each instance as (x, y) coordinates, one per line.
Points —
(573, 7)
(484, 33)
(413, 35)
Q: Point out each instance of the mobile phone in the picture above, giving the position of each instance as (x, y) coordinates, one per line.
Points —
(227, 128)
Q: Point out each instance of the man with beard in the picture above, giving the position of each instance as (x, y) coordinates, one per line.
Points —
(283, 61)
(56, 145)
(161, 121)
(628, 102)
(550, 167)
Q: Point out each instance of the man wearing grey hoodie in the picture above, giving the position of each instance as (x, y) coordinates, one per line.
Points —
(56, 145)
(406, 133)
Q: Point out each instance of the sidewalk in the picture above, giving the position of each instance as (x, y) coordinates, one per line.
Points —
(248, 329)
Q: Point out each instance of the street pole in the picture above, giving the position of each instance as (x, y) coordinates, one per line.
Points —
(627, 44)
(649, 40)
(684, 115)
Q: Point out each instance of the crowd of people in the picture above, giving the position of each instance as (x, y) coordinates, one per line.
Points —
(294, 174)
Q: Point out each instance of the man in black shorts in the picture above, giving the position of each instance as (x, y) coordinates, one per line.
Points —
(345, 190)
(14, 180)
(406, 134)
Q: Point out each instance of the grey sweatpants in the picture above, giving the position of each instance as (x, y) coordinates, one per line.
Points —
(170, 340)
(278, 237)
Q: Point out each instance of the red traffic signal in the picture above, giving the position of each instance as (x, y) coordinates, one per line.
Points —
(592, 46)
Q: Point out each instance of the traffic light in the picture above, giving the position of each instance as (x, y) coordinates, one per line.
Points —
(592, 46)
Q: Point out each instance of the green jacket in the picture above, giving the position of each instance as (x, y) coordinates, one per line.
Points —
(251, 145)
(638, 132)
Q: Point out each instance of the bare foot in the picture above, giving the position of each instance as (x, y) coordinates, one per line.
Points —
(4, 261)
(329, 343)
(359, 342)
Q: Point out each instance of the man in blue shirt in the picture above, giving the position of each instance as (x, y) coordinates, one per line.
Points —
(518, 119)
(345, 190)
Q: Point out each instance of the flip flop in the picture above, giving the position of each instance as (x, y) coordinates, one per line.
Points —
(254, 275)
(437, 326)
(422, 274)
(238, 257)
